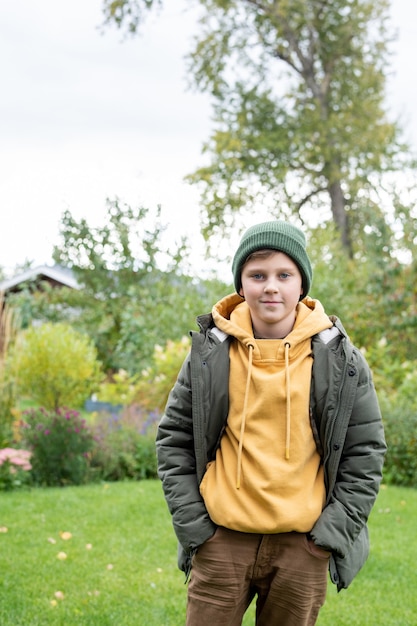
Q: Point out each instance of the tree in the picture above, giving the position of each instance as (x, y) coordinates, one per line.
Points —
(127, 303)
(116, 264)
(300, 121)
(375, 297)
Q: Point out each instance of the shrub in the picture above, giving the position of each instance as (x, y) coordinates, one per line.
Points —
(120, 390)
(55, 365)
(399, 412)
(14, 468)
(145, 456)
(395, 383)
(151, 387)
(401, 435)
(157, 381)
(60, 442)
(124, 445)
(400, 422)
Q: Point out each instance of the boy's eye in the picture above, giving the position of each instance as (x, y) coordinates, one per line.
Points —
(284, 275)
(257, 276)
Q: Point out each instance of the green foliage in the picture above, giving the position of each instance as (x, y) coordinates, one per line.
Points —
(400, 430)
(127, 14)
(145, 456)
(123, 455)
(10, 477)
(120, 390)
(395, 381)
(115, 263)
(55, 365)
(391, 376)
(373, 295)
(127, 242)
(323, 139)
(161, 310)
(159, 307)
(127, 304)
(399, 410)
(60, 442)
(157, 381)
(124, 445)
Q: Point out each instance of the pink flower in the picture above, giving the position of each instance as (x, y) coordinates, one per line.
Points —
(19, 458)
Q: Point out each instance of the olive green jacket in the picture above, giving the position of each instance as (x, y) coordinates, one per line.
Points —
(345, 419)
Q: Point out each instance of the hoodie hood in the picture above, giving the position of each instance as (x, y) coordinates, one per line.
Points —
(231, 314)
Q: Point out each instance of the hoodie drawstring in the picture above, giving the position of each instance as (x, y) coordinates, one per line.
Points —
(243, 423)
(245, 409)
(288, 398)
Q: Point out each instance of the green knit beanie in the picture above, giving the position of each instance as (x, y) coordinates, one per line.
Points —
(277, 235)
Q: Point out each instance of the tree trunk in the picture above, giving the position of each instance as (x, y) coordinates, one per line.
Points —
(338, 206)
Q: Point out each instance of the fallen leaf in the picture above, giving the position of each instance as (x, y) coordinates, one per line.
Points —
(65, 535)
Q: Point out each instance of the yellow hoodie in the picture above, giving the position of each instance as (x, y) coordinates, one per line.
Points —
(267, 476)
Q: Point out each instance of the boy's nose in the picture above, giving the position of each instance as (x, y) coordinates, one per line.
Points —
(271, 285)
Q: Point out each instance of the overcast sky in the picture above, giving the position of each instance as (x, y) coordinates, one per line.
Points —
(85, 116)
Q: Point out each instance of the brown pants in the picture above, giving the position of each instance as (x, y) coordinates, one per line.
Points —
(286, 572)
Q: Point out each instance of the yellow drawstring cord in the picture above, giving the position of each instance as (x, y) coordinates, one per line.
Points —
(243, 423)
(288, 396)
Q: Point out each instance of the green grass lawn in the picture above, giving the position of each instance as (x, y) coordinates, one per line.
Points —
(120, 565)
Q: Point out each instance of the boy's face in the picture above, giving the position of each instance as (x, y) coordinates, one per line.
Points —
(271, 286)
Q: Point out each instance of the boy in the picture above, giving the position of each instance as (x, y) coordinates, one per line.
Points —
(271, 447)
